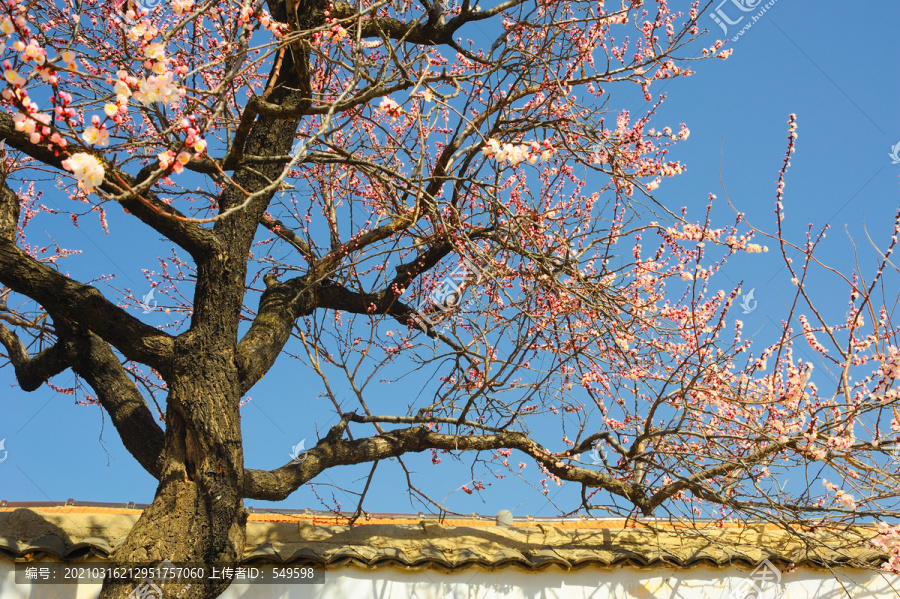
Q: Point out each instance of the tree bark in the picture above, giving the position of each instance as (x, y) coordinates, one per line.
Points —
(197, 516)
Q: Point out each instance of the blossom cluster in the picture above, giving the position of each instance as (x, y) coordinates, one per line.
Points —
(192, 140)
(842, 497)
(29, 120)
(182, 6)
(885, 391)
(810, 337)
(516, 153)
(888, 539)
(158, 83)
(779, 187)
(742, 243)
(87, 170)
(683, 134)
(714, 50)
(390, 107)
(693, 232)
(696, 232)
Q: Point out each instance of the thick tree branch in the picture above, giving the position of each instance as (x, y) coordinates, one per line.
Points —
(83, 304)
(278, 228)
(334, 451)
(332, 296)
(96, 363)
(283, 303)
(290, 100)
(32, 372)
(429, 33)
(9, 210)
(432, 32)
(280, 305)
(260, 106)
(164, 219)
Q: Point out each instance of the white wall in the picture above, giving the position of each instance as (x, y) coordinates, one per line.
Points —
(512, 583)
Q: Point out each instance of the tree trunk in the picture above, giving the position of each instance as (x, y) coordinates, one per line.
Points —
(197, 516)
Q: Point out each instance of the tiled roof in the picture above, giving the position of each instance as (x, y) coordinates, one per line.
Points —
(77, 532)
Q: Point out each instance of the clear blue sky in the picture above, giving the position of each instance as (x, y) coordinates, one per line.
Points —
(834, 67)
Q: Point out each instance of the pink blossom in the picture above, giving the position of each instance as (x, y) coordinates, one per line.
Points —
(391, 108)
(96, 136)
(158, 88)
(87, 170)
(13, 77)
(182, 6)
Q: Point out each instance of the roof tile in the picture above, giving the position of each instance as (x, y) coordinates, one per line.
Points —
(78, 532)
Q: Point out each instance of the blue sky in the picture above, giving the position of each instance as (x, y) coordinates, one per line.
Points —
(834, 68)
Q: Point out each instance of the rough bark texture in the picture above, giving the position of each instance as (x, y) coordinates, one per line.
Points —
(197, 515)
